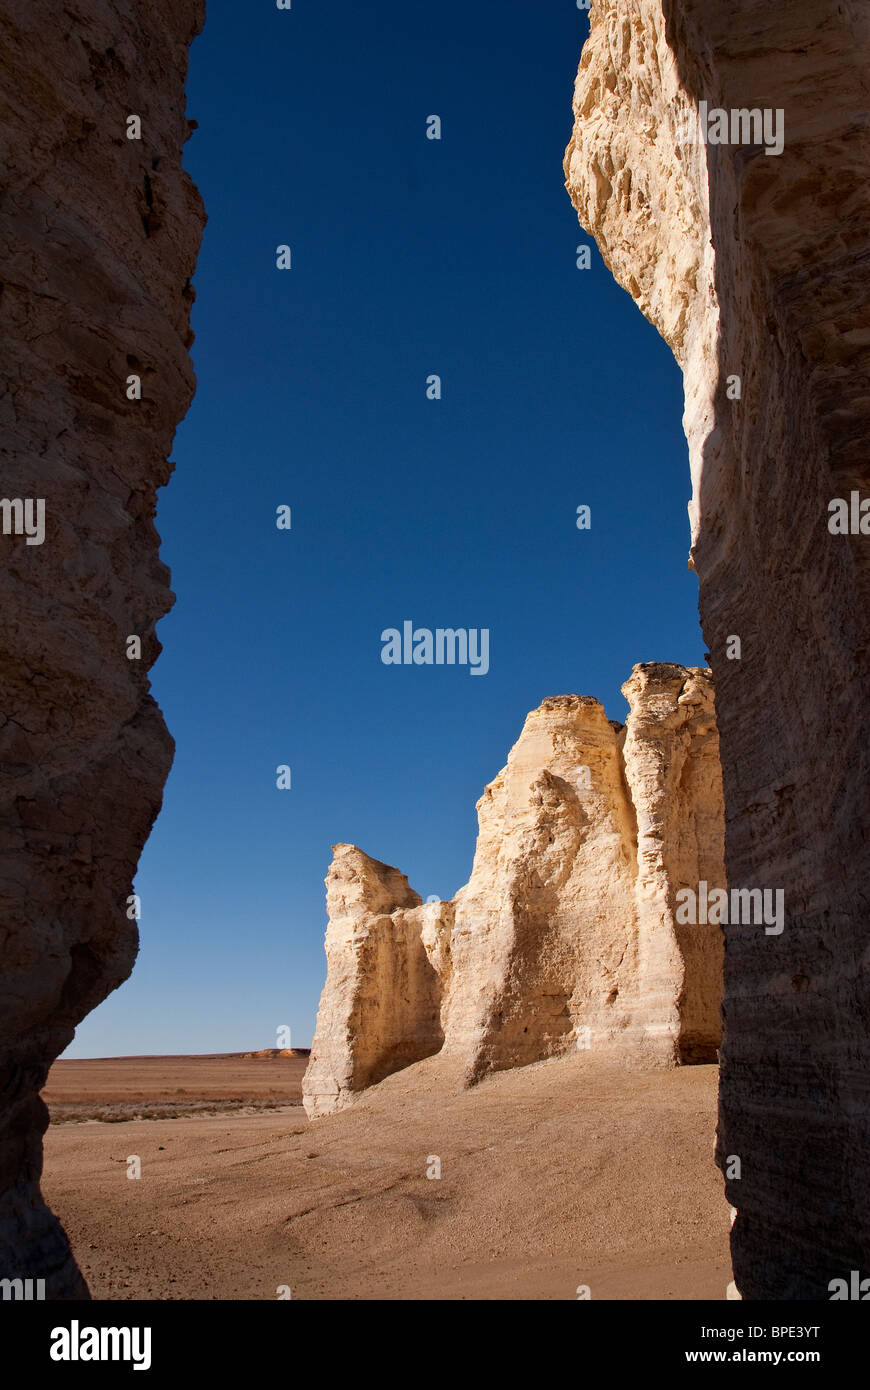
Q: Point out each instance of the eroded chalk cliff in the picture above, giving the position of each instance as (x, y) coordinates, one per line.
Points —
(566, 934)
(754, 267)
(380, 1008)
(98, 235)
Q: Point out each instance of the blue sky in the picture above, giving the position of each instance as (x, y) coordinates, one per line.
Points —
(410, 257)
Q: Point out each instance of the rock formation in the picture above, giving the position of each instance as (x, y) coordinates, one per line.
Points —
(754, 268)
(99, 235)
(380, 1008)
(566, 934)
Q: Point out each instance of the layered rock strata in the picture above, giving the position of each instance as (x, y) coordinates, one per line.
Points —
(566, 934)
(99, 234)
(754, 268)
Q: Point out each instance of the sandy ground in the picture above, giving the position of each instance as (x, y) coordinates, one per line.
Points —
(567, 1173)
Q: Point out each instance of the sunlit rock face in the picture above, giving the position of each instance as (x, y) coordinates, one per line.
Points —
(754, 267)
(566, 935)
(99, 235)
(380, 1008)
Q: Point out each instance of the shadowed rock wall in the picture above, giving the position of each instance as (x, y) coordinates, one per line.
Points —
(98, 238)
(755, 266)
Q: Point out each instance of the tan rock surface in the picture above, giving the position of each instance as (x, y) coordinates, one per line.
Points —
(564, 938)
(543, 937)
(380, 1008)
(671, 754)
(755, 266)
(98, 236)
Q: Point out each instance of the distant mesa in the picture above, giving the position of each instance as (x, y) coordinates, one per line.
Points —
(565, 937)
(268, 1053)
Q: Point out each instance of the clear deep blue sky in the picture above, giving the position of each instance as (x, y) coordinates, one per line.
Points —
(410, 257)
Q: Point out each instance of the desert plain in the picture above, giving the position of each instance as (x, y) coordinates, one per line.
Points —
(570, 1174)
